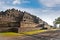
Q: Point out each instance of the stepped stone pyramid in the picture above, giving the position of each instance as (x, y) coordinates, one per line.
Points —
(13, 20)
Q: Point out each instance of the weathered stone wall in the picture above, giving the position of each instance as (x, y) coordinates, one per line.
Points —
(28, 23)
(10, 19)
(25, 29)
(21, 21)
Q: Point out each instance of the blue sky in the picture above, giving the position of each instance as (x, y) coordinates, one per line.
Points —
(47, 10)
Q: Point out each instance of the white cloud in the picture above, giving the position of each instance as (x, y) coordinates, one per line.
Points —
(17, 2)
(20, 1)
(50, 3)
(49, 15)
(25, 1)
(1, 2)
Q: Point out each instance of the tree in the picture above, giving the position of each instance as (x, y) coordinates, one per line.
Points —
(57, 21)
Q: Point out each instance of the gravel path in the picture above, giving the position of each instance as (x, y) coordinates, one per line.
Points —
(51, 35)
(8, 38)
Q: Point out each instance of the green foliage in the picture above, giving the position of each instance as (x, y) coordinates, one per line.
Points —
(57, 21)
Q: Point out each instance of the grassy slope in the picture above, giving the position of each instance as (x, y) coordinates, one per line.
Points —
(33, 32)
(10, 34)
(23, 33)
